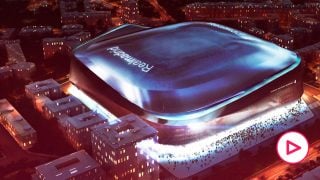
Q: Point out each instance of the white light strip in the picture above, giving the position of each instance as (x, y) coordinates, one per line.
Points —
(91, 104)
(214, 146)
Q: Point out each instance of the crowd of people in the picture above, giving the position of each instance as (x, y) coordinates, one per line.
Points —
(196, 156)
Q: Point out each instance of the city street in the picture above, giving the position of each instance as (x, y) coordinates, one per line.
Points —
(164, 16)
(12, 153)
(280, 168)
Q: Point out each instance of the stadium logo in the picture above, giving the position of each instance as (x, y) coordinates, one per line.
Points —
(116, 51)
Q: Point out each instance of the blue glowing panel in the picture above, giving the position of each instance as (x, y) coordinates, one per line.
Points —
(186, 67)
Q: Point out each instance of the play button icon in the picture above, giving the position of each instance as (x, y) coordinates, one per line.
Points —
(292, 147)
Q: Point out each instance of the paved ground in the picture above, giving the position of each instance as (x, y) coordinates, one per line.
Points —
(13, 154)
(279, 168)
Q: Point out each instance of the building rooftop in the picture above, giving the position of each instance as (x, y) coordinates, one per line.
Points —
(5, 69)
(239, 5)
(14, 51)
(72, 26)
(80, 36)
(6, 33)
(309, 49)
(87, 14)
(75, 38)
(53, 39)
(129, 130)
(86, 119)
(63, 103)
(6, 41)
(13, 117)
(23, 66)
(285, 37)
(35, 29)
(299, 29)
(42, 85)
(67, 166)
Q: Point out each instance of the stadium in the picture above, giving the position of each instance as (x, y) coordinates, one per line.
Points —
(188, 80)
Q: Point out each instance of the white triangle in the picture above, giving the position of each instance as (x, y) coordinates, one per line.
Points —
(291, 148)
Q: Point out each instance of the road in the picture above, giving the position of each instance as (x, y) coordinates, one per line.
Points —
(279, 168)
(311, 91)
(164, 16)
(13, 153)
(312, 98)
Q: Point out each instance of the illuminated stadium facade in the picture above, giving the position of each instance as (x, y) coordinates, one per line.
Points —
(186, 75)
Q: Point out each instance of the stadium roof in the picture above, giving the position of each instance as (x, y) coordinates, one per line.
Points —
(184, 68)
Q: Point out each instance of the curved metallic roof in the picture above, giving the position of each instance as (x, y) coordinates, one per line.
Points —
(185, 67)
